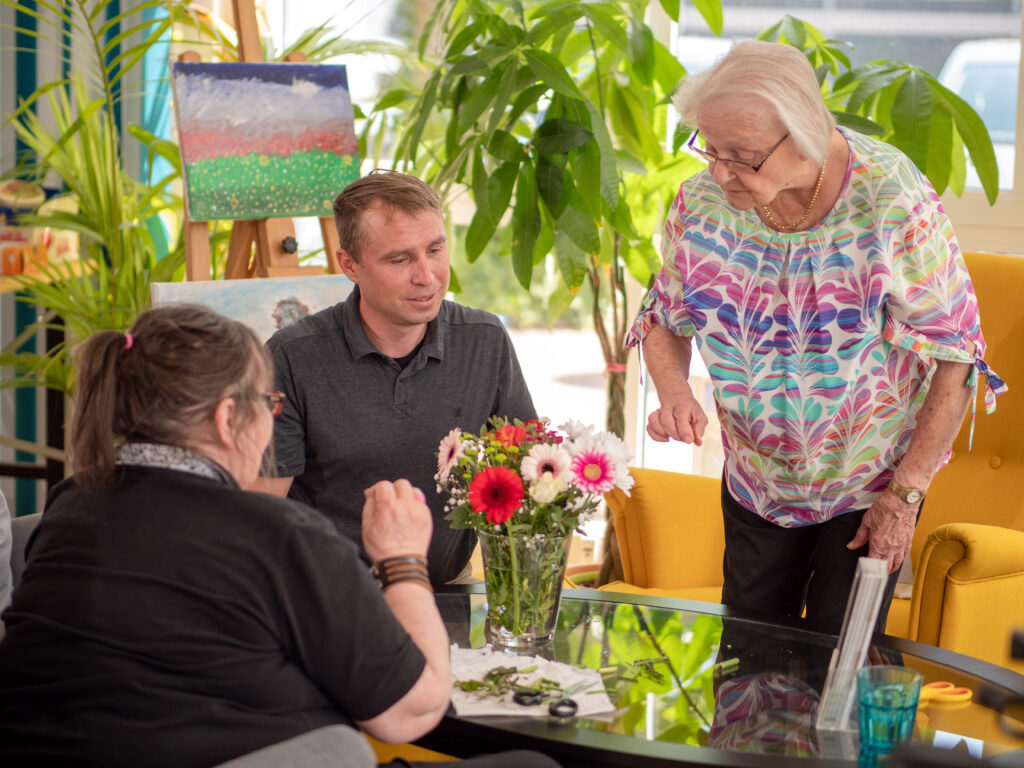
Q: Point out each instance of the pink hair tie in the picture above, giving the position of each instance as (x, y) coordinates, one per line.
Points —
(128, 341)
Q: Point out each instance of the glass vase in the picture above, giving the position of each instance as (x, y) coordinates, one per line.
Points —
(523, 577)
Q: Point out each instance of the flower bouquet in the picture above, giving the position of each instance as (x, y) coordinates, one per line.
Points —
(525, 488)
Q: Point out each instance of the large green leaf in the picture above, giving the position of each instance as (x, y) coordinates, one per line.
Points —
(424, 108)
(869, 80)
(558, 135)
(710, 11)
(580, 228)
(526, 100)
(641, 44)
(393, 98)
(570, 260)
(975, 136)
(555, 21)
(550, 71)
(641, 260)
(507, 76)
(525, 225)
(940, 139)
(911, 118)
(667, 69)
(609, 165)
(585, 162)
(858, 123)
(607, 28)
(480, 98)
(559, 301)
(504, 146)
(468, 36)
(545, 236)
(479, 63)
(671, 7)
(551, 181)
(632, 125)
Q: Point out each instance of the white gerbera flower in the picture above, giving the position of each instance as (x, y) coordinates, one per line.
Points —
(615, 447)
(575, 430)
(547, 488)
(542, 458)
(449, 453)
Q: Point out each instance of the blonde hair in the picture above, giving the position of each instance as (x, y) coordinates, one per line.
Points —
(779, 77)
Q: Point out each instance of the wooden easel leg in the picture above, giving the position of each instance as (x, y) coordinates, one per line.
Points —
(197, 250)
(243, 233)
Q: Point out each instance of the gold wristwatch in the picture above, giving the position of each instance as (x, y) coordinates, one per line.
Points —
(909, 495)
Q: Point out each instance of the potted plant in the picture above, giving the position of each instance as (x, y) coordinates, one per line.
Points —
(554, 116)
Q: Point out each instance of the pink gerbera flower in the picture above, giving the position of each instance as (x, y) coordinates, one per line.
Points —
(593, 471)
(449, 453)
(545, 458)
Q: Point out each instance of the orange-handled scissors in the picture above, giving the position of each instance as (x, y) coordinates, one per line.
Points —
(941, 692)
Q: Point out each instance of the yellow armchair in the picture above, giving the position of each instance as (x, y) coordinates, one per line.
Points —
(969, 591)
(968, 549)
(670, 535)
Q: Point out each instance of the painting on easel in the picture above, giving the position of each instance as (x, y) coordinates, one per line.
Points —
(261, 141)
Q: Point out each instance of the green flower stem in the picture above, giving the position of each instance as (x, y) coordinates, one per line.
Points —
(514, 569)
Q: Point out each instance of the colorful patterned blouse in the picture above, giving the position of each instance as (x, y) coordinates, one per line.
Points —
(819, 343)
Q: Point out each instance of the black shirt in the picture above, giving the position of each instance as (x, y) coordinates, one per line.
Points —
(176, 620)
(353, 416)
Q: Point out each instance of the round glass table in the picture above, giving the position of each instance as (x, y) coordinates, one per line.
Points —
(697, 684)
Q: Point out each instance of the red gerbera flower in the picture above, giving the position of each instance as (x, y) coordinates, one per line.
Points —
(496, 492)
(509, 435)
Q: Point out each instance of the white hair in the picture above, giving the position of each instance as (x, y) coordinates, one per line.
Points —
(774, 77)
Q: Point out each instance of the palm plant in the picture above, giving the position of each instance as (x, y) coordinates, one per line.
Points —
(553, 115)
(109, 283)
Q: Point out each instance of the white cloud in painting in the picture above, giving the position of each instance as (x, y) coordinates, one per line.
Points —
(252, 102)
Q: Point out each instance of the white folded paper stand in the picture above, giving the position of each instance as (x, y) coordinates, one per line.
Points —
(835, 722)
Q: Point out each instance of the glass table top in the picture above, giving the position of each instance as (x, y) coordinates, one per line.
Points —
(688, 676)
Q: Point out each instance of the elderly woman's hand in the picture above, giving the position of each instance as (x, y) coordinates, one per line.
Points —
(680, 417)
(396, 520)
(887, 528)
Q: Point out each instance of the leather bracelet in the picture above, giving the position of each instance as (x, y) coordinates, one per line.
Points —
(392, 570)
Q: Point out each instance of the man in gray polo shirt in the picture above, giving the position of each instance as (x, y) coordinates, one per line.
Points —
(373, 383)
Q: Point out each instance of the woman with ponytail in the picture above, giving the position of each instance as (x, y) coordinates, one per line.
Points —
(168, 617)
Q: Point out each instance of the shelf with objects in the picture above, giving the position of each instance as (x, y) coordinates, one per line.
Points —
(29, 251)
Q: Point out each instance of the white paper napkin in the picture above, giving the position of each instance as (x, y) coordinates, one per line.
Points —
(474, 663)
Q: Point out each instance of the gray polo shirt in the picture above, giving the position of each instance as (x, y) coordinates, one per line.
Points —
(353, 416)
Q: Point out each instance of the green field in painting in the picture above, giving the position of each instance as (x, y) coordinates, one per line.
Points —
(263, 186)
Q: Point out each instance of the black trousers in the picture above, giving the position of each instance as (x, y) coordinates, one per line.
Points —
(780, 571)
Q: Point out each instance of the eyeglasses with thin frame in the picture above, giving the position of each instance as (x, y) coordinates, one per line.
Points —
(735, 165)
(274, 401)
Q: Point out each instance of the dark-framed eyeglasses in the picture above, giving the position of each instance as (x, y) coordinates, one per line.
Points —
(274, 401)
(735, 165)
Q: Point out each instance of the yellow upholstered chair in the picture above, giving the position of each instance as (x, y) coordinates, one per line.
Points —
(670, 535)
(968, 549)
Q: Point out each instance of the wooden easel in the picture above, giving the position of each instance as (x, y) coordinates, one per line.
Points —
(274, 238)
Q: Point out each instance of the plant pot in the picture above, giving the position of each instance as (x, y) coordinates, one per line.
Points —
(523, 577)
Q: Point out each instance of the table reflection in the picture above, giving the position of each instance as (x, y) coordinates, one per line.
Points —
(704, 680)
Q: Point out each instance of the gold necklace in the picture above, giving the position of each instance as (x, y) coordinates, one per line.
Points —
(807, 210)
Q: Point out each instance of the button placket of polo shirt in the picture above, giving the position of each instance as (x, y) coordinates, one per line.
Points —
(402, 396)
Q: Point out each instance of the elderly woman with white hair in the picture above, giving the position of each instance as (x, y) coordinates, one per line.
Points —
(829, 299)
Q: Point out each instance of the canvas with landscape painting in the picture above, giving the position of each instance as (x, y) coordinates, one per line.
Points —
(264, 140)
